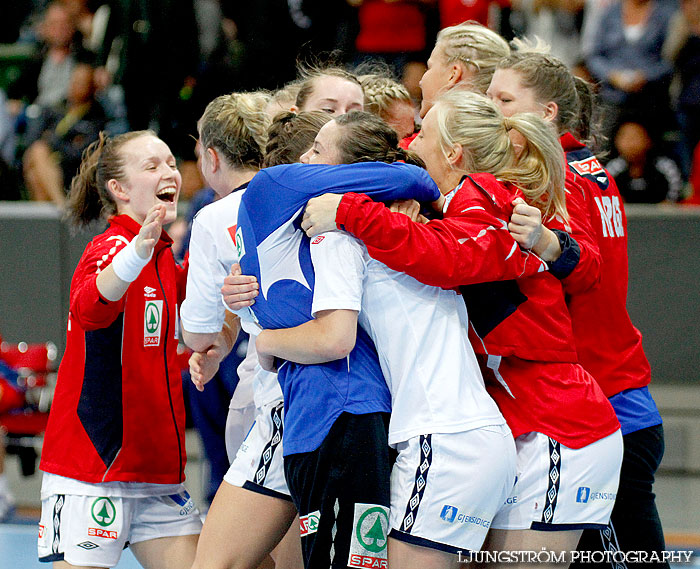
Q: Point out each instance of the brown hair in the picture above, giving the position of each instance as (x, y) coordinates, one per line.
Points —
(551, 80)
(89, 198)
(367, 138)
(292, 134)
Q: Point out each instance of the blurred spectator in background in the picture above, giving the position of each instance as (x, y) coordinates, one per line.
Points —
(90, 20)
(45, 79)
(14, 14)
(453, 12)
(642, 174)
(556, 22)
(274, 33)
(693, 194)
(56, 138)
(626, 60)
(155, 46)
(682, 49)
(395, 32)
(9, 189)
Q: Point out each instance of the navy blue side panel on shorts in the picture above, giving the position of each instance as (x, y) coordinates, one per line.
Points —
(426, 459)
(56, 539)
(350, 467)
(552, 486)
(100, 404)
(272, 444)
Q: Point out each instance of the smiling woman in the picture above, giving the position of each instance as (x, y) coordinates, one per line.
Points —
(119, 378)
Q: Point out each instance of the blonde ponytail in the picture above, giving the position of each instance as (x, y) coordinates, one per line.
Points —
(485, 135)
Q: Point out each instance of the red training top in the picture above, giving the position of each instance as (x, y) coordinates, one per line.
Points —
(118, 412)
(608, 344)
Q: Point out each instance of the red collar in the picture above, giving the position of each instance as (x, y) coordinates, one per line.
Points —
(569, 142)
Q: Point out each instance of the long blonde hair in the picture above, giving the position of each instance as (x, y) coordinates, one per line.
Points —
(475, 45)
(474, 122)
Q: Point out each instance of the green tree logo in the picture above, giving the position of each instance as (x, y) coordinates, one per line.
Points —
(152, 317)
(372, 529)
(103, 512)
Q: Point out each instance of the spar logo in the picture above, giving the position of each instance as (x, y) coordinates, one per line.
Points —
(99, 532)
(103, 512)
(588, 167)
(309, 523)
(152, 320)
(369, 539)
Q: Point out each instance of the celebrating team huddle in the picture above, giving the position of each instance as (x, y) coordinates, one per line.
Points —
(440, 358)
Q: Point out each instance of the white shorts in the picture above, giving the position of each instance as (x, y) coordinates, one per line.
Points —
(238, 423)
(92, 531)
(446, 488)
(560, 488)
(258, 465)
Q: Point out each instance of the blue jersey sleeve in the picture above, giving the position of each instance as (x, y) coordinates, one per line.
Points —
(279, 193)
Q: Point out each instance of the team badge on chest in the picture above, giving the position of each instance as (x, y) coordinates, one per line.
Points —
(152, 321)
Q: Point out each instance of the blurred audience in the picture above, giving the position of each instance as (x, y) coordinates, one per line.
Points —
(626, 60)
(161, 61)
(642, 174)
(155, 46)
(45, 79)
(682, 49)
(56, 138)
(556, 22)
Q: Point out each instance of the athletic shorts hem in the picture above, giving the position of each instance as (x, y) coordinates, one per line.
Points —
(51, 558)
(253, 487)
(423, 542)
(541, 526)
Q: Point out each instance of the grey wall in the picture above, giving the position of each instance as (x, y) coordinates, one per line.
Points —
(664, 289)
(38, 255)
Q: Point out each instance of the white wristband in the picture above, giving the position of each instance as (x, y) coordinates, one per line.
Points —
(128, 264)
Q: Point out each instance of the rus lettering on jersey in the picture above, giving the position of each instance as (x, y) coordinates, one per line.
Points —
(610, 215)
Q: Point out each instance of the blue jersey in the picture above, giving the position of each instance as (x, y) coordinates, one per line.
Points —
(275, 249)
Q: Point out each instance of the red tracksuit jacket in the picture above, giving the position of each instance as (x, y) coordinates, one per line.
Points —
(608, 344)
(118, 412)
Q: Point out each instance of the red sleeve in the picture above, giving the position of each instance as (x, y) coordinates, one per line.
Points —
(88, 307)
(471, 245)
(587, 272)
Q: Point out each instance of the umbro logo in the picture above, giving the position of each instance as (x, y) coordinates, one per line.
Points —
(88, 545)
(149, 292)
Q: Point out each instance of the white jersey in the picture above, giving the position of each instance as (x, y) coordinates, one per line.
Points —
(420, 333)
(212, 252)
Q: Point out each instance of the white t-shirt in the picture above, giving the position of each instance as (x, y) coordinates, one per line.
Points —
(421, 337)
(212, 252)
